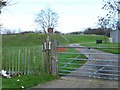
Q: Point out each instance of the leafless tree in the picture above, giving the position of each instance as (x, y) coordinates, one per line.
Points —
(110, 20)
(47, 19)
(2, 4)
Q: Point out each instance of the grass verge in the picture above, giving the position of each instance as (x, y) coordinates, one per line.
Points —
(25, 81)
(109, 47)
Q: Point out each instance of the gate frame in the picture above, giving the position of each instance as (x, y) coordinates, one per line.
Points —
(90, 59)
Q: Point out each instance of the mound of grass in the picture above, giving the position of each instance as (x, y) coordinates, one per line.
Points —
(32, 39)
(83, 38)
(22, 40)
(29, 39)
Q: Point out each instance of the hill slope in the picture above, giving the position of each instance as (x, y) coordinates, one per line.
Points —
(32, 39)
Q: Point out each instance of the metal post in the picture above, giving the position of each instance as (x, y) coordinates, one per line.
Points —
(89, 62)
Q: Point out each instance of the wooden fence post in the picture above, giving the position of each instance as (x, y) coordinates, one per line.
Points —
(49, 56)
(2, 64)
(19, 52)
(54, 63)
(46, 57)
(28, 72)
(25, 59)
(13, 62)
(9, 55)
(43, 57)
(43, 62)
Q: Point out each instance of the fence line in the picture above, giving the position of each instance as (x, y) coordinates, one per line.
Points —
(22, 61)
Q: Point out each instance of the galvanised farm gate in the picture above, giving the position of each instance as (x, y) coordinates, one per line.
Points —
(75, 60)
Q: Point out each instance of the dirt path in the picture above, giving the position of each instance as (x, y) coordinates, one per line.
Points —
(79, 82)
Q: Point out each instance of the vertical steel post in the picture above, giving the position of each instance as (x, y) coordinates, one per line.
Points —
(89, 62)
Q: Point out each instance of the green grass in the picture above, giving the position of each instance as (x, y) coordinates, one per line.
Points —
(34, 41)
(37, 39)
(35, 67)
(22, 40)
(32, 54)
(83, 38)
(62, 63)
(26, 81)
(113, 50)
(28, 40)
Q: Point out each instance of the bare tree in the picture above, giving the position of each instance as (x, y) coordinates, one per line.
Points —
(2, 4)
(103, 23)
(110, 20)
(47, 19)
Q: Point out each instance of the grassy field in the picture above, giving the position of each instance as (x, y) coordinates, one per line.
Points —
(110, 47)
(37, 39)
(83, 38)
(22, 41)
(29, 39)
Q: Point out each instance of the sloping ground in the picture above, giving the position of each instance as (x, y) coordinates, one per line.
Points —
(35, 39)
(29, 39)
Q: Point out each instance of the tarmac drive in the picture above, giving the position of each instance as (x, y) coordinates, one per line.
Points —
(75, 82)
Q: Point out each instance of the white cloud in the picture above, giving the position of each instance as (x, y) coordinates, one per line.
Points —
(19, 21)
(75, 22)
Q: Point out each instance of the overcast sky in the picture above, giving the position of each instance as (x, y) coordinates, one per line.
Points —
(75, 15)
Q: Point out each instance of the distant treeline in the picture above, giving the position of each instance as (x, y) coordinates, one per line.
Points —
(10, 32)
(97, 31)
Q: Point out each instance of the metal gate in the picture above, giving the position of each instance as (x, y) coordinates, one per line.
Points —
(87, 62)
